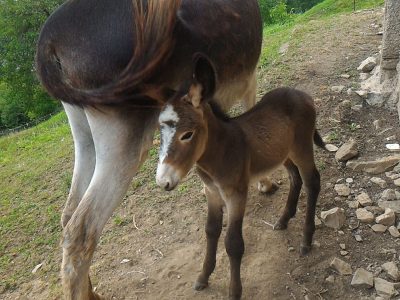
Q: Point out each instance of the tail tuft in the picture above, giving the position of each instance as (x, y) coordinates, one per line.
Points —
(318, 140)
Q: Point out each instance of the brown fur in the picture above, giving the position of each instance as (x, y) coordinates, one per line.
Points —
(156, 50)
(232, 153)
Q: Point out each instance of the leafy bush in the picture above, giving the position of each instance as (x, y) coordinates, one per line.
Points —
(21, 97)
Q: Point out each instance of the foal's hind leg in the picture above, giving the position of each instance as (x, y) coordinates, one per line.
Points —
(293, 197)
(85, 159)
(311, 179)
(304, 159)
(119, 137)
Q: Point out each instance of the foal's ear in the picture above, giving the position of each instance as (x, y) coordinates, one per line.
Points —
(204, 80)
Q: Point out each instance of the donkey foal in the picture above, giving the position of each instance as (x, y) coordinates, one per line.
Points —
(230, 153)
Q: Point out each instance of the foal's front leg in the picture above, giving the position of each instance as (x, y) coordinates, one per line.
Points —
(234, 243)
(213, 232)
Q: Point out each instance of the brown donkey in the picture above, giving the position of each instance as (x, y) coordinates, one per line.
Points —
(230, 153)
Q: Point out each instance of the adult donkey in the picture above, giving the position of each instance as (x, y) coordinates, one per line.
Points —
(112, 63)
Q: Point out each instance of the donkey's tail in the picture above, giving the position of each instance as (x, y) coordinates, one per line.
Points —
(318, 140)
(154, 43)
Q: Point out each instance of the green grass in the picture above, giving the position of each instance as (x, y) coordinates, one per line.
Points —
(35, 168)
(276, 35)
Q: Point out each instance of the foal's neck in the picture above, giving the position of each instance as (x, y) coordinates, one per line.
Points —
(224, 146)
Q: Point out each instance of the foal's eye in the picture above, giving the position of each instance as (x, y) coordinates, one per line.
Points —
(186, 136)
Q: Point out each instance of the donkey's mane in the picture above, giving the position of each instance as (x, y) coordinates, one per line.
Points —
(218, 112)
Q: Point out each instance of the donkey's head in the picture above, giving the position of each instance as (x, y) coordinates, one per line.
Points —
(183, 126)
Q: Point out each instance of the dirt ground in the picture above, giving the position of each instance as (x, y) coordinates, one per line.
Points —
(160, 236)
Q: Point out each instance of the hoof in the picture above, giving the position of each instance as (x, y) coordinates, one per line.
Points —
(199, 286)
(279, 226)
(304, 250)
(95, 296)
(267, 190)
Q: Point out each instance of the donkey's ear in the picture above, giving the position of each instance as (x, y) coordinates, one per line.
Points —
(204, 80)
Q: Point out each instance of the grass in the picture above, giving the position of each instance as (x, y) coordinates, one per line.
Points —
(36, 168)
(277, 35)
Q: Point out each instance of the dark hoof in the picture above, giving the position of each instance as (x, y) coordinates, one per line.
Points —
(199, 286)
(304, 250)
(279, 226)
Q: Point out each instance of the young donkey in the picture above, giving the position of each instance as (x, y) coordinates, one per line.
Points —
(230, 153)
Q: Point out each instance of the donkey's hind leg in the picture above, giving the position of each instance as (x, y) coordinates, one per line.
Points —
(293, 197)
(85, 159)
(119, 136)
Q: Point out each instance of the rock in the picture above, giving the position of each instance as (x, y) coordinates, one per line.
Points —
(362, 279)
(36, 268)
(358, 238)
(397, 182)
(364, 215)
(346, 76)
(393, 147)
(375, 166)
(394, 232)
(362, 93)
(384, 288)
(367, 65)
(357, 107)
(331, 147)
(349, 91)
(347, 151)
(376, 210)
(377, 124)
(387, 219)
(392, 270)
(375, 98)
(344, 253)
(330, 279)
(364, 199)
(395, 205)
(333, 218)
(124, 261)
(379, 181)
(388, 195)
(353, 204)
(364, 76)
(379, 228)
(342, 246)
(392, 175)
(342, 189)
(397, 168)
(343, 268)
(349, 180)
(337, 88)
(317, 221)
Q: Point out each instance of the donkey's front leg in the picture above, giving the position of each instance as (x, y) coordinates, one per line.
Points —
(119, 137)
(234, 242)
(213, 232)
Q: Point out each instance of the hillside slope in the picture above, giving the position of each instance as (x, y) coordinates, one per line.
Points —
(161, 233)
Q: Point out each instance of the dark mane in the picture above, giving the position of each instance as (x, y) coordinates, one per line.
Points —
(218, 112)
